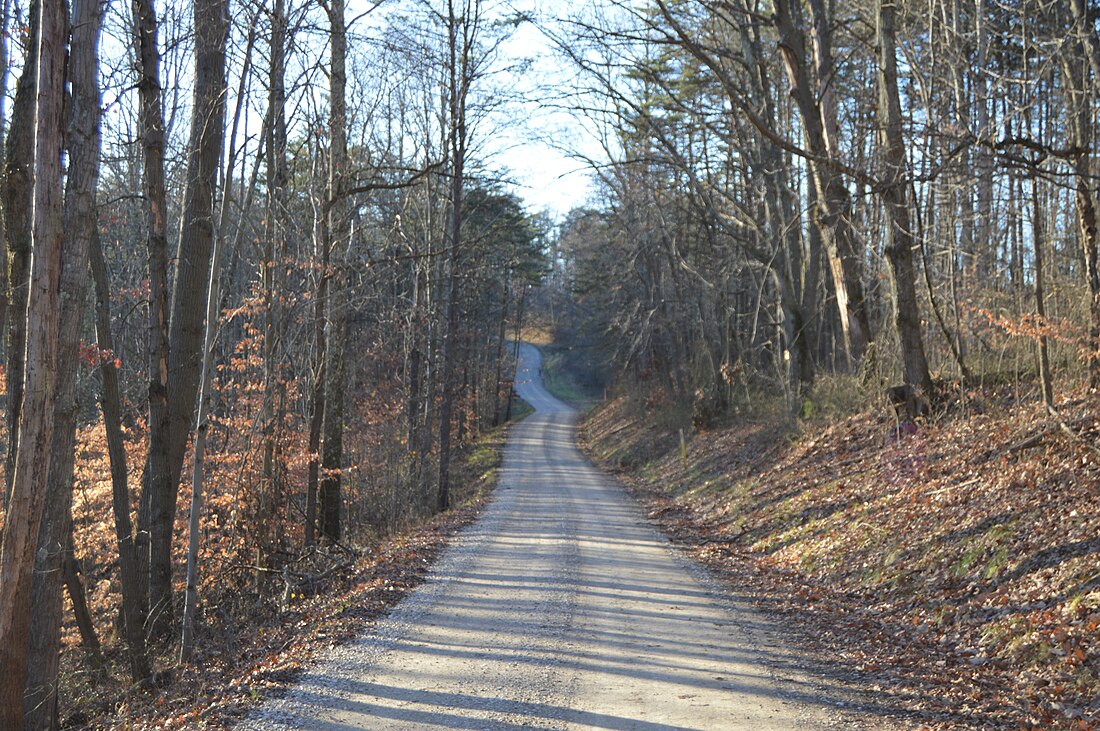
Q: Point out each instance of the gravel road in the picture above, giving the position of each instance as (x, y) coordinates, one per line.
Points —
(562, 608)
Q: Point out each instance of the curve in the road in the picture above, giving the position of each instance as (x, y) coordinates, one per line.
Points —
(561, 607)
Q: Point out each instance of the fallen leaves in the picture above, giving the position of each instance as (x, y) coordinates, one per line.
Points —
(954, 575)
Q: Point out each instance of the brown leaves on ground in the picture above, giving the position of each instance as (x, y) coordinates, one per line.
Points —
(252, 644)
(950, 570)
(227, 679)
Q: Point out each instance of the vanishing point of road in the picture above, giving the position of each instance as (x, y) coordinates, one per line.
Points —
(560, 608)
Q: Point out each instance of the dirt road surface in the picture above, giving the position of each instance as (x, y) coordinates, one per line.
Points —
(561, 608)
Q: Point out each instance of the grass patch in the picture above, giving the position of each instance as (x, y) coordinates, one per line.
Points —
(565, 375)
(563, 379)
(476, 469)
(835, 396)
(520, 409)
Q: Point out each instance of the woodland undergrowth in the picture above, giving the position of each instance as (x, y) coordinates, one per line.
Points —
(250, 644)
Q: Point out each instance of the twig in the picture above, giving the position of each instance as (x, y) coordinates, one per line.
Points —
(957, 485)
(851, 460)
(1027, 442)
(1068, 429)
(1038, 437)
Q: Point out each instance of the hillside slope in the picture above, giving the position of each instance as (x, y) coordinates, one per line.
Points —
(953, 569)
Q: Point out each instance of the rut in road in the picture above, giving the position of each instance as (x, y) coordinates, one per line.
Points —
(561, 607)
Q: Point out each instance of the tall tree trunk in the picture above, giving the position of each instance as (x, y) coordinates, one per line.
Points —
(812, 303)
(78, 597)
(185, 329)
(213, 305)
(501, 335)
(429, 390)
(458, 70)
(152, 130)
(202, 425)
(317, 397)
(332, 451)
(18, 192)
(5, 65)
(1038, 237)
(130, 578)
(1079, 128)
(895, 195)
(450, 324)
(1085, 22)
(833, 215)
(984, 251)
(81, 222)
(275, 241)
(423, 335)
(32, 464)
(413, 378)
(339, 243)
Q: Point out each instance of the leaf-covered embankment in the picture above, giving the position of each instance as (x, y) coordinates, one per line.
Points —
(952, 571)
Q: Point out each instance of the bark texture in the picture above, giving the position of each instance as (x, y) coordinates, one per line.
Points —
(185, 329)
(81, 223)
(152, 131)
(18, 194)
(32, 462)
(336, 307)
(900, 240)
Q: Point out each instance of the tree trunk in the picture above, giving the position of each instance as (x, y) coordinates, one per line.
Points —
(5, 64)
(185, 329)
(32, 464)
(834, 202)
(78, 597)
(450, 323)
(81, 222)
(275, 240)
(833, 215)
(210, 331)
(18, 191)
(499, 360)
(895, 196)
(332, 451)
(1038, 236)
(340, 240)
(317, 397)
(152, 131)
(111, 404)
(1079, 110)
(458, 60)
(202, 424)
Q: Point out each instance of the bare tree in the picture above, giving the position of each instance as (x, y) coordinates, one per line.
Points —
(81, 223)
(18, 197)
(337, 242)
(152, 130)
(185, 330)
(900, 240)
(32, 463)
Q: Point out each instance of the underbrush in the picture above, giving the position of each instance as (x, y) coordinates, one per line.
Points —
(253, 634)
(954, 567)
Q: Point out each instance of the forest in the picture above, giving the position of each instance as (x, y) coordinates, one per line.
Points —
(801, 189)
(264, 276)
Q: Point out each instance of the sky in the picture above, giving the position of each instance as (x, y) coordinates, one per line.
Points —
(547, 180)
(532, 140)
(527, 140)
